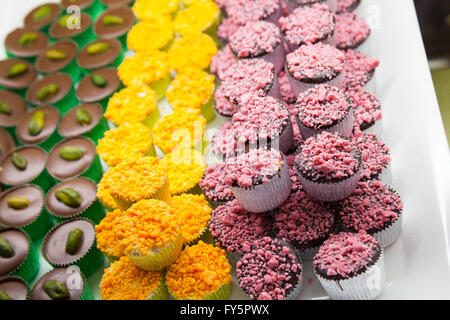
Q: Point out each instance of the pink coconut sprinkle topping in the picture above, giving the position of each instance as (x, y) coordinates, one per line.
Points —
(255, 167)
(328, 156)
(372, 206)
(351, 30)
(345, 5)
(375, 154)
(316, 60)
(226, 29)
(224, 141)
(307, 25)
(346, 254)
(243, 11)
(222, 105)
(366, 107)
(358, 68)
(322, 106)
(287, 95)
(255, 39)
(222, 61)
(301, 220)
(234, 228)
(248, 76)
(213, 183)
(270, 271)
(222, 3)
(259, 118)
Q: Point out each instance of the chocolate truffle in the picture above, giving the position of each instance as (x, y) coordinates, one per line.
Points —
(48, 64)
(42, 16)
(87, 60)
(6, 143)
(64, 85)
(19, 81)
(58, 31)
(70, 127)
(36, 160)
(12, 109)
(62, 169)
(83, 4)
(88, 92)
(103, 29)
(66, 276)
(25, 42)
(20, 244)
(15, 287)
(51, 121)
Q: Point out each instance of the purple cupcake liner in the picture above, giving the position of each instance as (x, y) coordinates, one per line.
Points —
(330, 192)
(275, 89)
(277, 57)
(266, 196)
(300, 86)
(274, 17)
(343, 127)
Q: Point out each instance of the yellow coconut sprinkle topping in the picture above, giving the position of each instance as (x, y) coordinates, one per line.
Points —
(124, 281)
(107, 240)
(150, 35)
(185, 169)
(198, 17)
(103, 193)
(194, 213)
(193, 50)
(182, 128)
(191, 88)
(131, 104)
(136, 178)
(199, 271)
(148, 9)
(124, 141)
(144, 68)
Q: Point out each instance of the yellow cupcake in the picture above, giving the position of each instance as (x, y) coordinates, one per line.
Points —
(202, 272)
(185, 169)
(183, 128)
(124, 141)
(149, 68)
(133, 105)
(136, 179)
(200, 16)
(105, 233)
(124, 281)
(194, 213)
(149, 35)
(104, 195)
(201, 49)
(148, 9)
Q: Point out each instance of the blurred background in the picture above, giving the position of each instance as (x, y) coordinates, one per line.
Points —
(434, 20)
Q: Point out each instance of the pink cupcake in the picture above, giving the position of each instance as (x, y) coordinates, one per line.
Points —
(224, 142)
(226, 29)
(222, 61)
(359, 69)
(315, 64)
(259, 39)
(350, 266)
(222, 105)
(255, 76)
(351, 30)
(347, 5)
(244, 11)
(287, 95)
(214, 187)
(263, 122)
(366, 110)
(293, 4)
(259, 179)
(234, 228)
(324, 108)
(329, 166)
(270, 270)
(308, 25)
(375, 208)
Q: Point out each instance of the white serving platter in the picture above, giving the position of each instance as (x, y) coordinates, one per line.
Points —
(418, 264)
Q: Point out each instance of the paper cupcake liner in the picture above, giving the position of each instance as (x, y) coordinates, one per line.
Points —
(73, 71)
(98, 131)
(203, 235)
(161, 86)
(111, 259)
(330, 192)
(31, 60)
(298, 86)
(84, 37)
(344, 127)
(274, 17)
(233, 258)
(386, 175)
(152, 119)
(161, 259)
(16, 278)
(160, 293)
(94, 10)
(89, 263)
(12, 133)
(104, 102)
(308, 253)
(29, 267)
(207, 110)
(365, 286)
(162, 194)
(223, 293)
(275, 89)
(212, 30)
(48, 143)
(277, 57)
(331, 39)
(20, 92)
(376, 128)
(266, 196)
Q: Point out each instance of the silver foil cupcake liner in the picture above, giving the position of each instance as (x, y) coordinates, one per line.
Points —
(300, 86)
(388, 236)
(343, 127)
(330, 192)
(308, 254)
(365, 286)
(376, 128)
(266, 196)
(386, 175)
